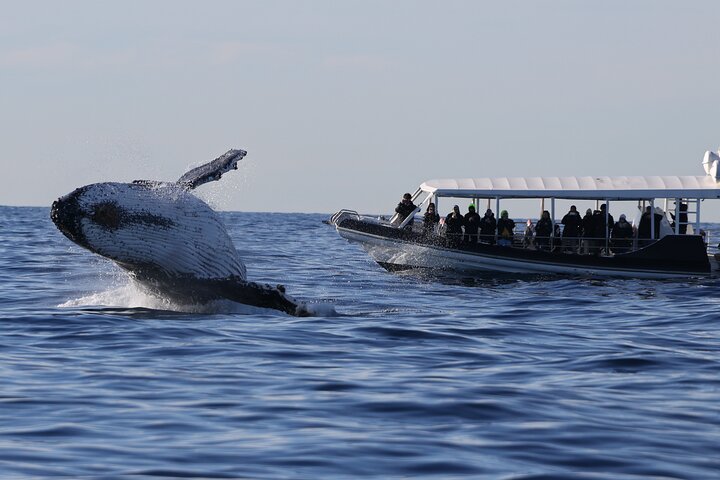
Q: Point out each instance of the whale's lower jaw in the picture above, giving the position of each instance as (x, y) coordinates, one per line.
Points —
(191, 290)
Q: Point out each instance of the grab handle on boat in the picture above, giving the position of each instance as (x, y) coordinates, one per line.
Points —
(338, 216)
(409, 218)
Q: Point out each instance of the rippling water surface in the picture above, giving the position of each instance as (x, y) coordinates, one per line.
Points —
(416, 377)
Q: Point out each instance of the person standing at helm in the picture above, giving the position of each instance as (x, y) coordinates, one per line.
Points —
(683, 219)
(404, 208)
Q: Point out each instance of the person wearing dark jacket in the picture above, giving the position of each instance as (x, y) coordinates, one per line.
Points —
(505, 227)
(472, 224)
(645, 229)
(488, 224)
(644, 226)
(430, 220)
(405, 207)
(622, 233)
(543, 231)
(572, 227)
(454, 223)
(601, 228)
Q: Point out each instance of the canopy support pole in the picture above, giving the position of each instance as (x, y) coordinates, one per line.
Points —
(652, 219)
(607, 227)
(497, 213)
(552, 223)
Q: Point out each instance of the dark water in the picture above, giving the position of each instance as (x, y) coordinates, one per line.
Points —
(444, 378)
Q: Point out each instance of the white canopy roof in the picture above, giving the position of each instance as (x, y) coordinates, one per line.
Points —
(610, 188)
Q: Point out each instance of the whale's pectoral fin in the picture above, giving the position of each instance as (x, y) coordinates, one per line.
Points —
(213, 170)
(260, 295)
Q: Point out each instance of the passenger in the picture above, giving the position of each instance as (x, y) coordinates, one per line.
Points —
(528, 240)
(572, 227)
(505, 227)
(587, 231)
(488, 224)
(622, 234)
(405, 207)
(472, 224)
(556, 236)
(454, 223)
(430, 220)
(683, 219)
(543, 231)
(601, 228)
(610, 219)
(644, 228)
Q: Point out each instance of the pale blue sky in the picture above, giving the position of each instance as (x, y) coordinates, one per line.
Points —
(351, 103)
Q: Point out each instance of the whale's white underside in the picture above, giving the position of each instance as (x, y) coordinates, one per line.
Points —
(162, 226)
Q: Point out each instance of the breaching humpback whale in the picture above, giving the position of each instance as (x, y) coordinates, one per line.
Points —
(167, 239)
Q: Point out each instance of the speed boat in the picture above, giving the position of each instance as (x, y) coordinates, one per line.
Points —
(671, 249)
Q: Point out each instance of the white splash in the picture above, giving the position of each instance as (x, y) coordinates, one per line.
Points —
(130, 295)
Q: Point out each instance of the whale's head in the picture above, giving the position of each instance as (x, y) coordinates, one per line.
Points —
(148, 227)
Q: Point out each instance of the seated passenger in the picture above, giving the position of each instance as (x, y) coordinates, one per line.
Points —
(505, 227)
(430, 220)
(543, 231)
(488, 224)
(471, 223)
(454, 223)
(405, 207)
(622, 235)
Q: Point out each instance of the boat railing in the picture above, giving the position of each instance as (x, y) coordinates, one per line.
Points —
(409, 218)
(342, 215)
(580, 245)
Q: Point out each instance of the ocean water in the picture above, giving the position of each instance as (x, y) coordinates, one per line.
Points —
(415, 377)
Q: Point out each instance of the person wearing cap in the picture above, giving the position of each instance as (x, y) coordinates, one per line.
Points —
(488, 224)
(471, 223)
(622, 234)
(404, 208)
(505, 227)
(454, 223)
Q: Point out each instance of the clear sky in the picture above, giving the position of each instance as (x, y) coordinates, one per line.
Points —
(351, 103)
